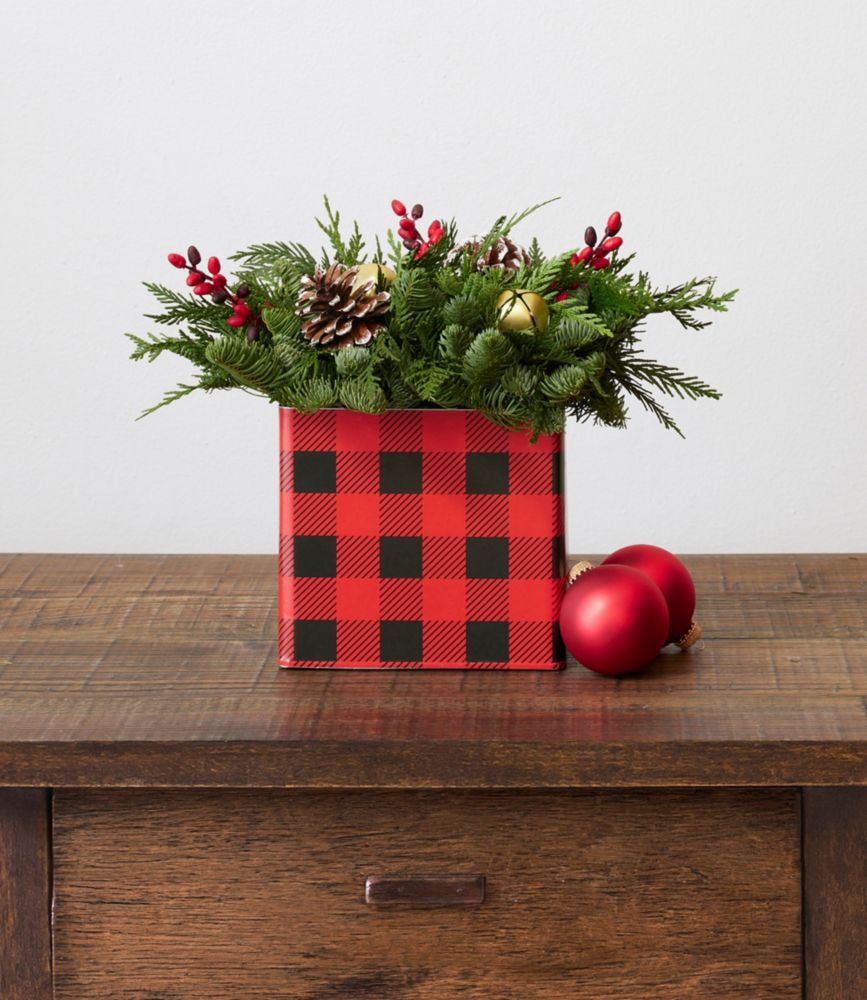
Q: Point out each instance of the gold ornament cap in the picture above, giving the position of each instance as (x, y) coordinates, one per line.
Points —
(519, 309)
(577, 569)
(372, 272)
(690, 637)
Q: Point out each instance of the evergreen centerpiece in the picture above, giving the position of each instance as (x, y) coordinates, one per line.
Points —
(482, 324)
(422, 395)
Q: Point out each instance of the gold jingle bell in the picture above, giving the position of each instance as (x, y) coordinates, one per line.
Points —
(372, 272)
(519, 309)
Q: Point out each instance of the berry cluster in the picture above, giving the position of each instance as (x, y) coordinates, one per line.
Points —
(215, 285)
(595, 253)
(408, 232)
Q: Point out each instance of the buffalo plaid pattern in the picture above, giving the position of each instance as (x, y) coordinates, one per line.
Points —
(418, 539)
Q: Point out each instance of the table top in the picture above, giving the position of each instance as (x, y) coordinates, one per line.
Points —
(161, 671)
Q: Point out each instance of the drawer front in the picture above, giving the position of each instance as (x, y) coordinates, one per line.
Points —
(597, 896)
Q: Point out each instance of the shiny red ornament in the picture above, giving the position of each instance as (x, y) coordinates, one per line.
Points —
(672, 578)
(176, 260)
(614, 223)
(398, 207)
(613, 620)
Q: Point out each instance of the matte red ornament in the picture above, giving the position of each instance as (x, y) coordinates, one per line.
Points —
(672, 578)
(176, 260)
(613, 620)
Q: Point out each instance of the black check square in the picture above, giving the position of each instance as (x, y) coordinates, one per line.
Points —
(487, 642)
(400, 641)
(557, 472)
(400, 557)
(316, 555)
(315, 640)
(315, 472)
(400, 471)
(487, 472)
(487, 558)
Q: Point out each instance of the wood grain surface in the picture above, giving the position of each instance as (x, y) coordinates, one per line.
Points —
(835, 893)
(160, 670)
(590, 896)
(25, 895)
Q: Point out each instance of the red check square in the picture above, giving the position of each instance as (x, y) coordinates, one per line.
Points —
(534, 516)
(357, 599)
(443, 600)
(534, 600)
(357, 513)
(442, 514)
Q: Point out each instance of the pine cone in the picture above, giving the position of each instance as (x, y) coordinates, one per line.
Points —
(333, 314)
(502, 253)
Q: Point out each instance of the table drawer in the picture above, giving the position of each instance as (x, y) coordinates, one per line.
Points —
(597, 896)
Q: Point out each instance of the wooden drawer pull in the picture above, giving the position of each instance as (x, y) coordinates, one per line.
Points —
(424, 891)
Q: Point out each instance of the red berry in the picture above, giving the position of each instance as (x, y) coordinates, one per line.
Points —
(437, 236)
(236, 321)
(176, 260)
(600, 263)
(205, 288)
(590, 236)
(242, 309)
(416, 211)
(581, 256)
(219, 280)
(422, 250)
(614, 223)
(214, 265)
(398, 207)
(561, 297)
(552, 285)
(434, 227)
(195, 278)
(611, 244)
(406, 224)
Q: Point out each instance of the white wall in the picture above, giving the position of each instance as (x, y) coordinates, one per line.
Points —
(731, 135)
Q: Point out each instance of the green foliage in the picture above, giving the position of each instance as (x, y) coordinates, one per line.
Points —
(440, 346)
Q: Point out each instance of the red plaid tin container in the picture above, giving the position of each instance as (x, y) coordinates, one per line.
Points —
(418, 539)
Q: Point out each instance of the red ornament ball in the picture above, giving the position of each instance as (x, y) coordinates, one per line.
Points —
(613, 620)
(672, 578)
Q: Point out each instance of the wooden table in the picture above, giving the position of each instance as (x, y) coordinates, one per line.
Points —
(179, 819)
